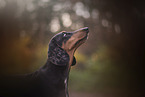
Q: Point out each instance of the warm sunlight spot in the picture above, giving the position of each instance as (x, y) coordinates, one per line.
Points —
(86, 14)
(105, 23)
(81, 10)
(79, 6)
(54, 25)
(66, 20)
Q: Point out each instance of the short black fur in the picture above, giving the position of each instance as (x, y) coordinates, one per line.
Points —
(48, 81)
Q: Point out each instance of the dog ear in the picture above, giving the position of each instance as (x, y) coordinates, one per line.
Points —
(57, 55)
(74, 61)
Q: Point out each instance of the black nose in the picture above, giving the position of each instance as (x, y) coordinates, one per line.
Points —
(86, 29)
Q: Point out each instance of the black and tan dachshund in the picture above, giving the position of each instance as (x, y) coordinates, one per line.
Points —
(50, 80)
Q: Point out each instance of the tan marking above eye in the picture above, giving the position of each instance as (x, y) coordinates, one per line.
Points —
(63, 31)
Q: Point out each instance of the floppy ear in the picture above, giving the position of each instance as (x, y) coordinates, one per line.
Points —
(57, 55)
(74, 61)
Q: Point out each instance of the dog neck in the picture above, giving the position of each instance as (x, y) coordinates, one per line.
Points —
(71, 55)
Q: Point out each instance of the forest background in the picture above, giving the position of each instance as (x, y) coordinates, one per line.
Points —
(111, 62)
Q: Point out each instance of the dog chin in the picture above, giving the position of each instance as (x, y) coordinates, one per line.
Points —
(80, 42)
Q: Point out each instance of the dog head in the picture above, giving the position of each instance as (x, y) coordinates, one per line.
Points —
(63, 45)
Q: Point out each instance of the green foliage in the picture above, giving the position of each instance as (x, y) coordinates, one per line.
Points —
(81, 80)
(100, 72)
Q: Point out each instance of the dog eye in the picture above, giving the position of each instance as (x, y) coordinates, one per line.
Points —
(64, 35)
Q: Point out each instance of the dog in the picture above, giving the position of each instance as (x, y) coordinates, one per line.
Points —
(51, 80)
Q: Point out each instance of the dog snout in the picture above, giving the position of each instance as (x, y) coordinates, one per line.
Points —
(86, 29)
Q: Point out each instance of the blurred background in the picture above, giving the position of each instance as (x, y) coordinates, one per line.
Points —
(111, 62)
